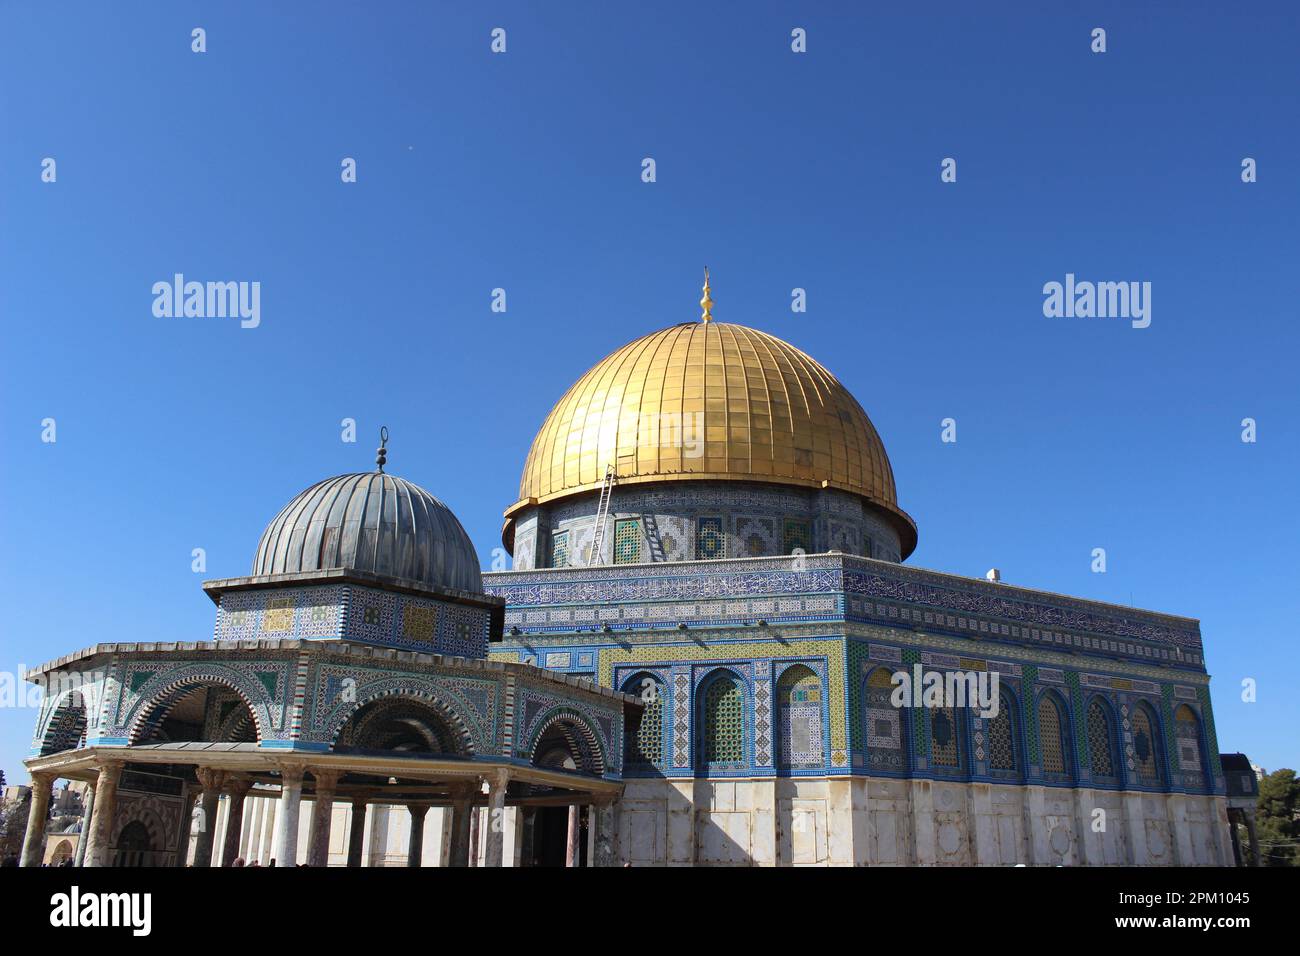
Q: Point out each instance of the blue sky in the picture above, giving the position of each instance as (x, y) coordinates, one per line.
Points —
(777, 170)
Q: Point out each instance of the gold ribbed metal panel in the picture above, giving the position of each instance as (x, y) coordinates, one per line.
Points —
(755, 408)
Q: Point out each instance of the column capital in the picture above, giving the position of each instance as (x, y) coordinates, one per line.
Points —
(418, 810)
(237, 784)
(290, 773)
(326, 780)
(43, 778)
(499, 778)
(465, 790)
(210, 778)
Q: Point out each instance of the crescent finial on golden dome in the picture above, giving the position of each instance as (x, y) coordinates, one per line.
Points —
(706, 303)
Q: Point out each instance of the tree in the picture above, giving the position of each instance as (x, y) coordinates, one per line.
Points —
(1277, 819)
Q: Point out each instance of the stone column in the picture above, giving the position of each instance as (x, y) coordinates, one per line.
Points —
(101, 821)
(322, 812)
(571, 851)
(529, 838)
(37, 814)
(415, 843)
(498, 783)
(357, 831)
(80, 859)
(475, 819)
(462, 808)
(285, 850)
(253, 821)
(188, 797)
(267, 842)
(212, 782)
(604, 827)
(236, 789)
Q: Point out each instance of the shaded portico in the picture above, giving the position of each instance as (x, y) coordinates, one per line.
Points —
(415, 781)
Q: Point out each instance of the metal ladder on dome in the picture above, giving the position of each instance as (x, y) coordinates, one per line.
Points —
(602, 514)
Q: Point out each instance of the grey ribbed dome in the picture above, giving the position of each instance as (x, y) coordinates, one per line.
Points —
(370, 522)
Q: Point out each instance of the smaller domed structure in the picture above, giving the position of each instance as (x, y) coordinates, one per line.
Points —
(371, 522)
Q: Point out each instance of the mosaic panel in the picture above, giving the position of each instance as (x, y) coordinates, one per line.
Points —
(797, 534)
(829, 648)
(1145, 756)
(1101, 757)
(710, 539)
(420, 624)
(1187, 733)
(627, 541)
(297, 613)
(724, 723)
(1002, 745)
(799, 696)
(1051, 736)
(338, 689)
(756, 536)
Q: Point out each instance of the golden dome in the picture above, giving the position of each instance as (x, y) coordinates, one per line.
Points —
(709, 401)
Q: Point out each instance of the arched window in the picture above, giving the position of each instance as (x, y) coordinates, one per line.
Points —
(1004, 739)
(886, 729)
(724, 723)
(1146, 747)
(1187, 731)
(1101, 743)
(947, 749)
(644, 742)
(1052, 740)
(799, 715)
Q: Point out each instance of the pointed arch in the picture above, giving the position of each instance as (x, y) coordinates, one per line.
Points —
(1189, 739)
(1006, 745)
(156, 706)
(721, 722)
(800, 719)
(644, 740)
(1103, 759)
(888, 728)
(1055, 753)
(566, 730)
(425, 715)
(1148, 752)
